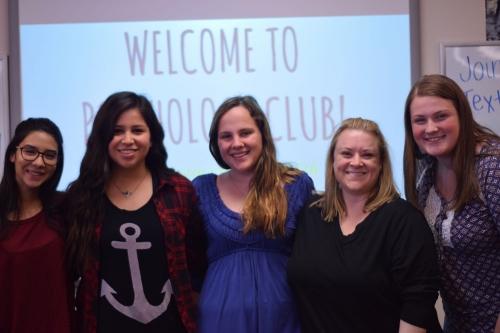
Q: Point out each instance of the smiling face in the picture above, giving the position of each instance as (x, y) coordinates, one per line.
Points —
(239, 140)
(435, 125)
(30, 175)
(356, 162)
(131, 141)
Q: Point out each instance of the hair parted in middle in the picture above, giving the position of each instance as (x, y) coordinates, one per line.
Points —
(266, 204)
(85, 195)
(470, 134)
(9, 188)
(332, 201)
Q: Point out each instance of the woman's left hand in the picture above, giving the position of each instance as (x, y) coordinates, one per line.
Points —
(405, 327)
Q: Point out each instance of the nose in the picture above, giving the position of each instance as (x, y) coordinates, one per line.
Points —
(430, 127)
(127, 137)
(356, 160)
(38, 161)
(237, 142)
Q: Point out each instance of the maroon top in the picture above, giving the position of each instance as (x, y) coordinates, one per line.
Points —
(34, 290)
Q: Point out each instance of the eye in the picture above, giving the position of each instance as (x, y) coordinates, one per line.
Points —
(246, 132)
(30, 151)
(118, 131)
(138, 130)
(419, 121)
(50, 155)
(346, 153)
(368, 156)
(224, 136)
(441, 116)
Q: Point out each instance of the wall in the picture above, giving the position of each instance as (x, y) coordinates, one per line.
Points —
(4, 28)
(4, 50)
(448, 21)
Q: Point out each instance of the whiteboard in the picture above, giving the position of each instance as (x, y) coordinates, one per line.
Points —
(476, 69)
(4, 110)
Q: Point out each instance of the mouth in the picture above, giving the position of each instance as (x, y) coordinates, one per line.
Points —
(35, 172)
(127, 151)
(434, 138)
(355, 173)
(240, 154)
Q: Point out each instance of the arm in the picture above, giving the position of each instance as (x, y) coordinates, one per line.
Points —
(497, 326)
(489, 179)
(414, 270)
(195, 244)
(404, 327)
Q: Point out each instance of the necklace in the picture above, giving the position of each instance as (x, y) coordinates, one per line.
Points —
(127, 194)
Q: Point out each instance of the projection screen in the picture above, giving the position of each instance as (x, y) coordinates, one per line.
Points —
(309, 64)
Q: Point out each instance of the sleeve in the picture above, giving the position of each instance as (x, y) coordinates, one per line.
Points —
(299, 192)
(305, 187)
(489, 179)
(414, 268)
(195, 243)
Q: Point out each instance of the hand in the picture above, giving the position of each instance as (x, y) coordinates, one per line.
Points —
(405, 327)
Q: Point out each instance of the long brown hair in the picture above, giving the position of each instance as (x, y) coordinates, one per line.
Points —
(85, 196)
(332, 201)
(470, 134)
(9, 188)
(266, 204)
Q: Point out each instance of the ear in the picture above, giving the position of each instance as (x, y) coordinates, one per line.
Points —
(12, 157)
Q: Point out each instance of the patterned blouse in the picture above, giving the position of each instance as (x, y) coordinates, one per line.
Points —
(468, 244)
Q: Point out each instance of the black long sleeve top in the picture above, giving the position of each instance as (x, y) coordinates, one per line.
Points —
(385, 271)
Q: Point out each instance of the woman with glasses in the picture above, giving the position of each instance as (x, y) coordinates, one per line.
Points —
(34, 288)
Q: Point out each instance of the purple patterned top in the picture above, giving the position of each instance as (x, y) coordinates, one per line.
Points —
(468, 243)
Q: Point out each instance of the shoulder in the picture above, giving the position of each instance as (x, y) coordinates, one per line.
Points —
(402, 216)
(201, 180)
(310, 216)
(55, 209)
(56, 202)
(399, 207)
(488, 163)
(488, 174)
(424, 174)
(206, 178)
(312, 207)
(300, 189)
(489, 156)
(301, 181)
(175, 182)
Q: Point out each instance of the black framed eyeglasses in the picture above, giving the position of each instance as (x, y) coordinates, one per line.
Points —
(30, 153)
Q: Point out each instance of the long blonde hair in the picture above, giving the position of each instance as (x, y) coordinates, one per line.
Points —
(266, 204)
(332, 201)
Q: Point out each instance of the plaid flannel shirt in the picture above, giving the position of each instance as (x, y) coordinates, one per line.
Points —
(175, 202)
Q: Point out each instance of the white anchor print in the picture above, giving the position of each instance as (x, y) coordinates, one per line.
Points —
(140, 310)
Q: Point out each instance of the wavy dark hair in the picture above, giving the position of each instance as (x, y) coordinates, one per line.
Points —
(85, 196)
(470, 134)
(266, 205)
(9, 189)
